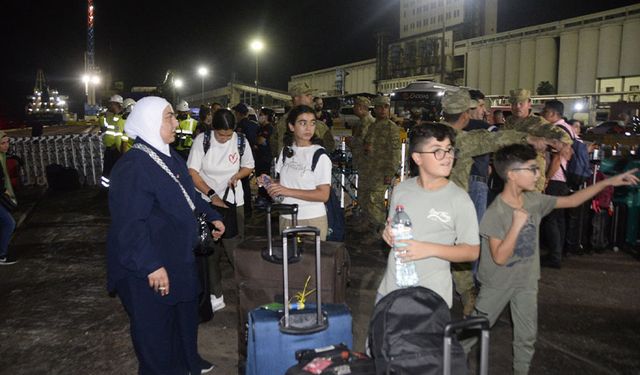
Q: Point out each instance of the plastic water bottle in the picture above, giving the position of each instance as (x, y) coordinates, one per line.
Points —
(401, 227)
(267, 183)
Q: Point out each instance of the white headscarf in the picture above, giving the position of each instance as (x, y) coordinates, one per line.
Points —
(145, 121)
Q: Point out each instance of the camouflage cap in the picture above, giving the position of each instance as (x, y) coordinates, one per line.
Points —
(302, 88)
(519, 96)
(381, 100)
(455, 102)
(363, 100)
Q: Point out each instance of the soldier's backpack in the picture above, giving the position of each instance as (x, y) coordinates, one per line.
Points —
(578, 167)
(206, 143)
(335, 213)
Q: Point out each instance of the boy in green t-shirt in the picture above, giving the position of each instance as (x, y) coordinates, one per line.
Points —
(509, 259)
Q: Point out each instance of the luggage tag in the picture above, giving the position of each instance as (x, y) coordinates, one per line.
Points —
(317, 365)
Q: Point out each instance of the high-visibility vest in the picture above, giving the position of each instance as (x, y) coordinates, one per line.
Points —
(113, 128)
(184, 133)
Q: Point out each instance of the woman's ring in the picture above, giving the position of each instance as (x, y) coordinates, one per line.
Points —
(162, 288)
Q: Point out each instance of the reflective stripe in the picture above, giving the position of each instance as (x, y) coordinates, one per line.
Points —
(109, 132)
(187, 132)
(104, 181)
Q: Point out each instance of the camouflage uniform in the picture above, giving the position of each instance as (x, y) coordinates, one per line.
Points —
(380, 161)
(359, 131)
(536, 126)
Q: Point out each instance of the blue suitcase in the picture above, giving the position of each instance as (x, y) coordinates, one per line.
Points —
(275, 336)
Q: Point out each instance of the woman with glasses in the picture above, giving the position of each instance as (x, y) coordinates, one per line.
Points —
(445, 228)
(300, 183)
(217, 162)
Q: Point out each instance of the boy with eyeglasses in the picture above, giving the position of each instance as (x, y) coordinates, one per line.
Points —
(509, 261)
(445, 227)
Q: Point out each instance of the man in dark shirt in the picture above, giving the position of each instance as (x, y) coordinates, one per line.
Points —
(321, 114)
(250, 131)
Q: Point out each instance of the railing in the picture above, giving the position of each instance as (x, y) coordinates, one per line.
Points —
(82, 152)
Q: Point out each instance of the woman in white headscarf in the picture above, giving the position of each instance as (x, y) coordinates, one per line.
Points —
(150, 262)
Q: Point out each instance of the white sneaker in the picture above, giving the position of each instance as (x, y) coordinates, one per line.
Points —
(217, 303)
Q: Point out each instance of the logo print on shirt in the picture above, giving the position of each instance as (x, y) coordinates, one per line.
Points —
(233, 158)
(442, 217)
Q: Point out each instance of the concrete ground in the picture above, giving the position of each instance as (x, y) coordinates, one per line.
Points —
(56, 316)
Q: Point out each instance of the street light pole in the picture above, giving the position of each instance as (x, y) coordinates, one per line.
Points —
(257, 46)
(202, 72)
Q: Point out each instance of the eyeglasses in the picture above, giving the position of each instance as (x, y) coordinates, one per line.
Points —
(533, 169)
(440, 153)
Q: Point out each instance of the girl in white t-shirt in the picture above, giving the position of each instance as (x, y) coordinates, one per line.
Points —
(298, 183)
(213, 171)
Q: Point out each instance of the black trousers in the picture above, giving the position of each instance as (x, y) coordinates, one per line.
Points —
(554, 225)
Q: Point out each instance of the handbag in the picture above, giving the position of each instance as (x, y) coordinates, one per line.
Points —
(8, 202)
(229, 214)
(205, 243)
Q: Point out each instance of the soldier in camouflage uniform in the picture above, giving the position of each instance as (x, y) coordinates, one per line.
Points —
(301, 94)
(522, 119)
(379, 164)
(360, 129)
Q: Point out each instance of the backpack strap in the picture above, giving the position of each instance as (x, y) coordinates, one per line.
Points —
(206, 143)
(242, 141)
(567, 131)
(316, 156)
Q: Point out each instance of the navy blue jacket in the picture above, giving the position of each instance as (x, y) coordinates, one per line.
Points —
(152, 225)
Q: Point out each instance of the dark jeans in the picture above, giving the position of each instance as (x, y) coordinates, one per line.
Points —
(554, 224)
(7, 226)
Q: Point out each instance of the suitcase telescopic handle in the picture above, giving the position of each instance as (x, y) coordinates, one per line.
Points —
(476, 322)
(320, 323)
(291, 209)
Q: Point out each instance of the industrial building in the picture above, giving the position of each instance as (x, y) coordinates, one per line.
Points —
(593, 53)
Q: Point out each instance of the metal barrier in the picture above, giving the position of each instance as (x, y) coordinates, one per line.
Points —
(82, 152)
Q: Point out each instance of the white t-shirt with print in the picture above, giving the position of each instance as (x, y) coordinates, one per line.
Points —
(295, 173)
(220, 163)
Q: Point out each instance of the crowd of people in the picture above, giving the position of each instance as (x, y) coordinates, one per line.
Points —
(156, 154)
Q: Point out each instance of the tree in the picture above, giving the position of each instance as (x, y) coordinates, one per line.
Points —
(545, 88)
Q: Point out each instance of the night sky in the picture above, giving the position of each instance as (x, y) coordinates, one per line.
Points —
(138, 40)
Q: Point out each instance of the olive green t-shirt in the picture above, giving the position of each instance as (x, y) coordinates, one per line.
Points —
(523, 268)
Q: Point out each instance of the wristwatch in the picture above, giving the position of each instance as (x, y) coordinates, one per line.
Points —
(211, 193)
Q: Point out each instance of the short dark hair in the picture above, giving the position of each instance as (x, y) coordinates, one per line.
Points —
(498, 112)
(506, 157)
(476, 94)
(270, 113)
(421, 134)
(451, 117)
(555, 105)
(223, 119)
(216, 103)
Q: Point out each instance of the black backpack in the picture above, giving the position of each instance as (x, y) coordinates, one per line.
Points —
(335, 213)
(406, 334)
(578, 167)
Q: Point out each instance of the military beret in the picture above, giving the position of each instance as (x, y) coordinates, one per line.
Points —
(298, 89)
(381, 100)
(363, 100)
(455, 102)
(519, 96)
